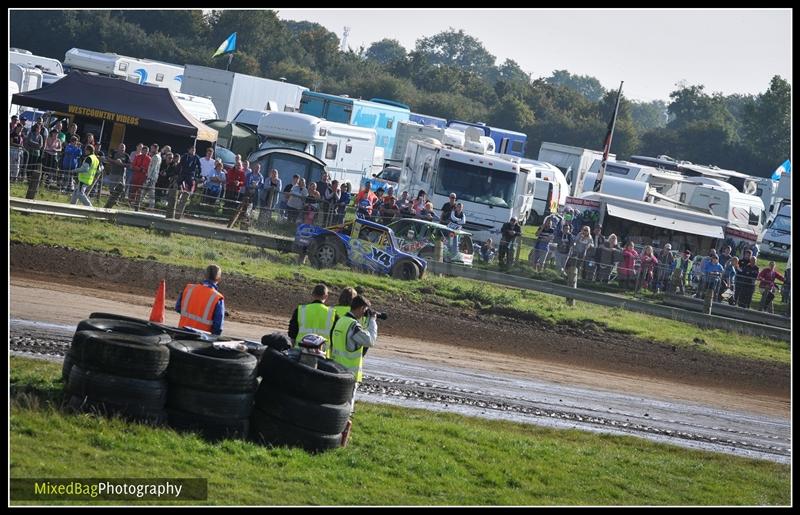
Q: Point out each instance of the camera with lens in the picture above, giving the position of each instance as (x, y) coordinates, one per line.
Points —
(377, 314)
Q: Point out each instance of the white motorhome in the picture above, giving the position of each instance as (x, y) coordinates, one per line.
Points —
(349, 152)
(26, 77)
(13, 89)
(777, 240)
(201, 108)
(548, 187)
(232, 92)
(493, 188)
(250, 117)
(574, 162)
(407, 131)
(25, 58)
(140, 71)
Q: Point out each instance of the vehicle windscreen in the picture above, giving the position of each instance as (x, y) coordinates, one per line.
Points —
(782, 223)
(476, 184)
(390, 174)
(283, 143)
(228, 157)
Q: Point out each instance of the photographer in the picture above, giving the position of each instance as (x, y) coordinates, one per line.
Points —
(349, 340)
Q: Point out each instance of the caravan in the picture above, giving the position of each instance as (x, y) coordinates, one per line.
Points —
(25, 58)
(349, 152)
(548, 187)
(574, 162)
(132, 69)
(493, 188)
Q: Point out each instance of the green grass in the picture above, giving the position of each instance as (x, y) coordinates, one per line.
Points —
(396, 457)
(268, 265)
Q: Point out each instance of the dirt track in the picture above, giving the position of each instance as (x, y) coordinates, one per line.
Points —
(446, 335)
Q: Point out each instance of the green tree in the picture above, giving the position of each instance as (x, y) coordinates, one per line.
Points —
(649, 115)
(584, 84)
(386, 52)
(459, 50)
(767, 125)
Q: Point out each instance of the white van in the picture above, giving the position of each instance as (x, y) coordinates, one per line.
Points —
(349, 152)
(778, 236)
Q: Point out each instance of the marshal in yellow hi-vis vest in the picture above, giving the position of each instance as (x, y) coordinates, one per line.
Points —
(315, 318)
(351, 360)
(87, 176)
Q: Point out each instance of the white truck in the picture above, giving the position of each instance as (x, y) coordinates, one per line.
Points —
(492, 187)
(133, 69)
(349, 152)
(232, 91)
(574, 162)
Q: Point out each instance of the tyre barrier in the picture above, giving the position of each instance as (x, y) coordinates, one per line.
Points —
(211, 389)
(129, 367)
(299, 405)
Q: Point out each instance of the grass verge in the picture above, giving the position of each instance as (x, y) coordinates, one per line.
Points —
(177, 249)
(396, 457)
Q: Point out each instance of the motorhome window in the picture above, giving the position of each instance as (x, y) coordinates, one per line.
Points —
(754, 217)
(348, 149)
(426, 171)
(517, 146)
(389, 123)
(391, 173)
(683, 197)
(289, 165)
(284, 143)
(619, 170)
(476, 184)
(123, 67)
(330, 151)
(159, 77)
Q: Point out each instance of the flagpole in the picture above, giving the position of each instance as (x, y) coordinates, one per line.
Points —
(607, 147)
(230, 58)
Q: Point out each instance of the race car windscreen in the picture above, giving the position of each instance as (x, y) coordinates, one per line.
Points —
(477, 184)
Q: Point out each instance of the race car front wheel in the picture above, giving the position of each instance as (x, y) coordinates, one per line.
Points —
(324, 253)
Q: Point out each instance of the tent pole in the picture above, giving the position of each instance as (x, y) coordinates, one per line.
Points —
(100, 138)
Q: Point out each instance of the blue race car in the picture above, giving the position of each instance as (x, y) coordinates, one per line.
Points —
(361, 244)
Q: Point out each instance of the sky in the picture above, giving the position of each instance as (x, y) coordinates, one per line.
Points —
(728, 51)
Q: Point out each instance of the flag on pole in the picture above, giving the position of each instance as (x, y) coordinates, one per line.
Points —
(785, 168)
(228, 46)
(607, 145)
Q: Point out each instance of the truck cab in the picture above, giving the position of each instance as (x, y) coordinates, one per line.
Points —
(778, 236)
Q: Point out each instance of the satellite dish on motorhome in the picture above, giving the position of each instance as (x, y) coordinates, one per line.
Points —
(472, 140)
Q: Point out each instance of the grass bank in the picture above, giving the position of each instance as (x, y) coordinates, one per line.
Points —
(396, 457)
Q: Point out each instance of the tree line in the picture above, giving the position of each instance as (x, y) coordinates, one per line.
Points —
(450, 75)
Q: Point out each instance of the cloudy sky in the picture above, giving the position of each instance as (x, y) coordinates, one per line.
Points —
(730, 51)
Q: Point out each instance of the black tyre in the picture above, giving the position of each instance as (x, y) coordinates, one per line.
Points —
(199, 365)
(211, 428)
(136, 394)
(406, 270)
(66, 367)
(326, 252)
(322, 418)
(329, 383)
(212, 404)
(271, 431)
(174, 332)
(144, 331)
(136, 413)
(120, 354)
(277, 341)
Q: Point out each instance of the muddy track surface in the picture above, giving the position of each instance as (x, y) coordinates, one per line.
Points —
(457, 390)
(580, 347)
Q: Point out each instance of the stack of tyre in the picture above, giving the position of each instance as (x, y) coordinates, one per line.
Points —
(211, 389)
(299, 405)
(118, 367)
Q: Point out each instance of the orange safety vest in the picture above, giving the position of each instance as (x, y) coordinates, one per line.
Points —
(197, 306)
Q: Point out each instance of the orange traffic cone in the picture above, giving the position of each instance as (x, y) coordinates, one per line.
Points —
(158, 313)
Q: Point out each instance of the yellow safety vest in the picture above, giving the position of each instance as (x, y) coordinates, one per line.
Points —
(351, 360)
(87, 177)
(315, 318)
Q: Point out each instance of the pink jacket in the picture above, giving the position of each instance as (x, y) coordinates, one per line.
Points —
(628, 263)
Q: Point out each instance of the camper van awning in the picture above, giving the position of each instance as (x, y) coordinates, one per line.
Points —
(685, 226)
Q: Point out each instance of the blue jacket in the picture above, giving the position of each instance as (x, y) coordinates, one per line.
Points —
(219, 311)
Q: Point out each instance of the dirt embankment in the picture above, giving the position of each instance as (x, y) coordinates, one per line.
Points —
(465, 328)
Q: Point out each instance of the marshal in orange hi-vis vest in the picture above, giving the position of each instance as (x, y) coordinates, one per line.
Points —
(197, 306)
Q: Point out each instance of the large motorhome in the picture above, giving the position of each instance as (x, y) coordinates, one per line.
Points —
(408, 130)
(493, 188)
(506, 141)
(231, 92)
(574, 162)
(427, 120)
(550, 189)
(381, 115)
(139, 71)
(349, 152)
(46, 64)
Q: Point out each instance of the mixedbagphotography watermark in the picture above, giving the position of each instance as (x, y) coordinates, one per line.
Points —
(109, 489)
